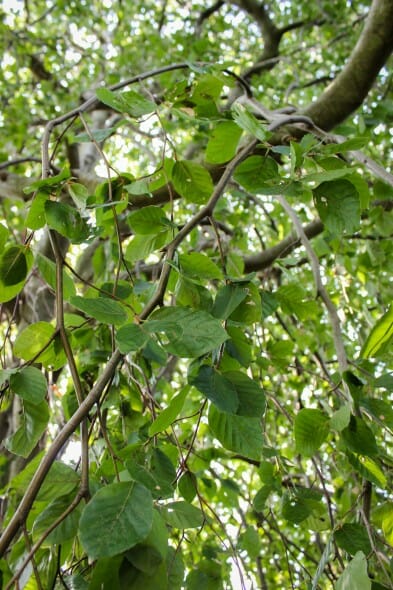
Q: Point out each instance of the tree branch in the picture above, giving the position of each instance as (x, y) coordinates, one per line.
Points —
(352, 85)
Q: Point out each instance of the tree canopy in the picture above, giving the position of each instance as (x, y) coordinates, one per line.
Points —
(196, 296)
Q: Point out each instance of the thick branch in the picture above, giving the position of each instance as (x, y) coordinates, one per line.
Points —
(351, 86)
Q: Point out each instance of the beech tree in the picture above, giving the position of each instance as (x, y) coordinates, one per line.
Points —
(195, 288)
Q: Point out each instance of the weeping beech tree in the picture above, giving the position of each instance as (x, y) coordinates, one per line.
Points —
(195, 288)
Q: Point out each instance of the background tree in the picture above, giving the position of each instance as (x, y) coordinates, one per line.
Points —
(195, 288)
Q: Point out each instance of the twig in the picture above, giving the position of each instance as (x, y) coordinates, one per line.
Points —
(321, 291)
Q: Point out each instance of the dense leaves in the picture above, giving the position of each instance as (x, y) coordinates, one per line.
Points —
(196, 299)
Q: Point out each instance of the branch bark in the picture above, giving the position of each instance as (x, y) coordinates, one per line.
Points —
(348, 91)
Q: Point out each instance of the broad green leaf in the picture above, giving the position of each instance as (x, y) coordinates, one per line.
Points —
(338, 206)
(261, 497)
(353, 537)
(130, 338)
(4, 235)
(387, 521)
(79, 194)
(249, 393)
(228, 299)
(248, 122)
(67, 529)
(379, 410)
(341, 417)
(239, 434)
(311, 430)
(158, 476)
(188, 486)
(67, 221)
(33, 340)
(300, 503)
(380, 339)
(103, 309)
(13, 265)
(119, 516)
(182, 515)
(36, 216)
(47, 184)
(189, 333)
(250, 309)
(257, 173)
(355, 575)
(216, 388)
(199, 266)
(130, 102)
(141, 245)
(30, 384)
(106, 573)
(223, 142)
(98, 135)
(47, 269)
(33, 422)
(192, 181)
(169, 414)
(359, 438)
(368, 468)
(148, 221)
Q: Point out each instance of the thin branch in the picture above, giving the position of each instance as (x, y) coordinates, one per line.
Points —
(320, 288)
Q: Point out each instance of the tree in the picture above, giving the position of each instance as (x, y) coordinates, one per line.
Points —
(195, 295)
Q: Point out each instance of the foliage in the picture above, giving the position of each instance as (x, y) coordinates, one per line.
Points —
(195, 291)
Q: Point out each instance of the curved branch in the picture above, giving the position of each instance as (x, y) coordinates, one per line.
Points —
(351, 86)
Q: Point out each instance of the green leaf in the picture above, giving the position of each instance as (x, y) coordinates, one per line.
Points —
(368, 468)
(223, 143)
(228, 298)
(240, 434)
(67, 221)
(299, 504)
(130, 102)
(359, 438)
(190, 333)
(250, 395)
(36, 216)
(47, 184)
(79, 194)
(4, 235)
(33, 422)
(148, 221)
(353, 537)
(199, 266)
(216, 388)
(169, 414)
(105, 574)
(338, 206)
(257, 173)
(119, 516)
(188, 486)
(33, 340)
(355, 575)
(379, 410)
(380, 339)
(141, 245)
(130, 338)
(311, 430)
(30, 384)
(103, 309)
(13, 265)
(192, 181)
(182, 515)
(67, 529)
(247, 121)
(47, 269)
(341, 417)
